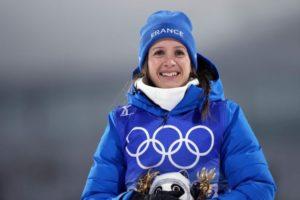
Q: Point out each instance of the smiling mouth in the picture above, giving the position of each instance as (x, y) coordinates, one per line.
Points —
(169, 74)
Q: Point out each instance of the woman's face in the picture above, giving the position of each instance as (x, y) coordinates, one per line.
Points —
(169, 65)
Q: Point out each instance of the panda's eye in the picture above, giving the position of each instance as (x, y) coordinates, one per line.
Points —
(176, 188)
(158, 189)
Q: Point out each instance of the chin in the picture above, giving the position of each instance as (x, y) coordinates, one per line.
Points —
(169, 86)
(172, 85)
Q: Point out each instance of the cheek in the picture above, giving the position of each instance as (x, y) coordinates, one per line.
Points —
(151, 74)
(187, 68)
(185, 64)
(153, 63)
(153, 67)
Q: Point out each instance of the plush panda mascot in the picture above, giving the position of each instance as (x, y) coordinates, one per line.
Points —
(175, 185)
(173, 181)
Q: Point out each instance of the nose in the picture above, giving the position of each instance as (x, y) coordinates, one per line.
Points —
(170, 61)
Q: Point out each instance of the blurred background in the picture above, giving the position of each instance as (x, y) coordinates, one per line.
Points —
(65, 64)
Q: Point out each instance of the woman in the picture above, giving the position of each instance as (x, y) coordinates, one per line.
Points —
(177, 118)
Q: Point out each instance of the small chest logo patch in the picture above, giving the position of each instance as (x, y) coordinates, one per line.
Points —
(125, 111)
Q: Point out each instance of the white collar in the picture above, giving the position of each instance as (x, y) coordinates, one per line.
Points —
(166, 98)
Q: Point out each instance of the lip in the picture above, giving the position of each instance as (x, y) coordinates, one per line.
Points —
(168, 79)
(169, 74)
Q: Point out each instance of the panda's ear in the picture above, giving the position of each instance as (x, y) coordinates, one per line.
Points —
(184, 173)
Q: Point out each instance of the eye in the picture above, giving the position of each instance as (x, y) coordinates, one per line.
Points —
(179, 52)
(158, 189)
(158, 53)
(176, 188)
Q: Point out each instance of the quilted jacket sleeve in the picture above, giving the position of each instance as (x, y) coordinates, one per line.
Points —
(243, 161)
(106, 177)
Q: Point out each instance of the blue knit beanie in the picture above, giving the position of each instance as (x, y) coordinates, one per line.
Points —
(166, 24)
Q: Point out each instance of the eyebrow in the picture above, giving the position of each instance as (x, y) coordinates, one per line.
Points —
(159, 47)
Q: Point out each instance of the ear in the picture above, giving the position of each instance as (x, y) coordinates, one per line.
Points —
(184, 173)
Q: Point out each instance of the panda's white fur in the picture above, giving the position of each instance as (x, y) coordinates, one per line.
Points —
(165, 181)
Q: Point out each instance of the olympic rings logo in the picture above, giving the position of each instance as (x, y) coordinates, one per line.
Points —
(173, 149)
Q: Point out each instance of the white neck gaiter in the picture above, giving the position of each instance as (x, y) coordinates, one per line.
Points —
(166, 98)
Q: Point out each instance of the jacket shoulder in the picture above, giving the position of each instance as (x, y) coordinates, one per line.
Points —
(224, 111)
(226, 105)
(229, 103)
(119, 118)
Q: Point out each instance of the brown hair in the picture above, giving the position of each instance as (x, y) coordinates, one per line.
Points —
(202, 74)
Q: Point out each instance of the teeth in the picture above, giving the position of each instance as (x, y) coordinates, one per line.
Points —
(169, 74)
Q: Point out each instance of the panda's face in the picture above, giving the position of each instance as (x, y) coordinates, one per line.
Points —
(173, 181)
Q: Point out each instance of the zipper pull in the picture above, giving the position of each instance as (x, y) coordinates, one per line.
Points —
(165, 119)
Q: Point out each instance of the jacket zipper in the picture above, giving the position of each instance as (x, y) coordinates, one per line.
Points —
(165, 118)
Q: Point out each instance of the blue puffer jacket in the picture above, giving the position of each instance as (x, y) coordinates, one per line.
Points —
(141, 135)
